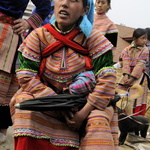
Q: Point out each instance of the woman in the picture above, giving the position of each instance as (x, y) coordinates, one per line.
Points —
(69, 47)
(11, 27)
(103, 23)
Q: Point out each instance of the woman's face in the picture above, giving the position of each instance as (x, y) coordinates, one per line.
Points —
(102, 6)
(67, 13)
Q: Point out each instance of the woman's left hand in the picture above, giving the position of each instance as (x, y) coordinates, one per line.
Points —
(21, 26)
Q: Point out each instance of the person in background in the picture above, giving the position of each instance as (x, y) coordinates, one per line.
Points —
(51, 57)
(134, 58)
(148, 45)
(12, 26)
(102, 23)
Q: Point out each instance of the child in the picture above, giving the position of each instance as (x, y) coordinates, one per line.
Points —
(51, 57)
(102, 23)
(134, 58)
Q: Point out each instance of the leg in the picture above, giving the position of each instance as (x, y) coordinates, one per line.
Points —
(143, 132)
(122, 137)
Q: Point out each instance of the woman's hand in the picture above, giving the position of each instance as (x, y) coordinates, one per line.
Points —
(75, 120)
(78, 119)
(21, 26)
(68, 115)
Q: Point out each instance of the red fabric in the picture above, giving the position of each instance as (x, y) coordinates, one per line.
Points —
(29, 143)
(138, 109)
(63, 40)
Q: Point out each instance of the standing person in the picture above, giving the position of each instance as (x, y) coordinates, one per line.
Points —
(134, 58)
(148, 45)
(51, 57)
(47, 19)
(12, 26)
(102, 23)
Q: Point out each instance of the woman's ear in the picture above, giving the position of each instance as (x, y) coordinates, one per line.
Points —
(86, 9)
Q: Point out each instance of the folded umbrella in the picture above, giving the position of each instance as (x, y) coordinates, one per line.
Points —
(54, 102)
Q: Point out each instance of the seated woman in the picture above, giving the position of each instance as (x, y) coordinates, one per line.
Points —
(51, 57)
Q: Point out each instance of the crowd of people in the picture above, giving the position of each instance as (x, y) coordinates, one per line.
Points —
(68, 49)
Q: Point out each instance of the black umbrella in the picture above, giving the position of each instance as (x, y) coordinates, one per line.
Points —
(54, 102)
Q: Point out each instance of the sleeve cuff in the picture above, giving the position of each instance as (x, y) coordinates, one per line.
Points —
(35, 20)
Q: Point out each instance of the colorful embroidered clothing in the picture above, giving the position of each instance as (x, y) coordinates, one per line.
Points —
(104, 25)
(16, 10)
(134, 64)
(62, 68)
(11, 10)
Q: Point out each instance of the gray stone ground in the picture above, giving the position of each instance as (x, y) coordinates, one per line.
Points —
(133, 142)
(9, 143)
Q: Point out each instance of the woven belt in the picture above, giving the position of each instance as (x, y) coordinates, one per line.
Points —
(6, 19)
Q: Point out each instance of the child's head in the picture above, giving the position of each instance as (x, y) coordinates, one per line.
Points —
(140, 37)
(148, 33)
(68, 12)
(102, 6)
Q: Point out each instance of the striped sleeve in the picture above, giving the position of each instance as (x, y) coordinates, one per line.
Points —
(126, 61)
(30, 47)
(104, 90)
(141, 63)
(98, 44)
(29, 57)
(35, 20)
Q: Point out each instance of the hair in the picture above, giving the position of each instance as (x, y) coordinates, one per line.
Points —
(138, 33)
(148, 33)
(108, 1)
(85, 3)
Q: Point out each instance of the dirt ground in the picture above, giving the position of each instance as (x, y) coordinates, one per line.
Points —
(132, 143)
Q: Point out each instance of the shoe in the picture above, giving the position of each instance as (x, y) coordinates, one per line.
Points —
(2, 138)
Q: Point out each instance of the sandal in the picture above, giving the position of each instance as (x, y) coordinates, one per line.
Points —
(2, 138)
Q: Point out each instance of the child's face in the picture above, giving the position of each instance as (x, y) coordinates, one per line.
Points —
(141, 41)
(102, 6)
(67, 12)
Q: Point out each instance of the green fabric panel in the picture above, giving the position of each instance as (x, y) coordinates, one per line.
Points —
(103, 61)
(27, 64)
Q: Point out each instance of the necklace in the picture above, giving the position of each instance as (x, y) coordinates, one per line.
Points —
(62, 31)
